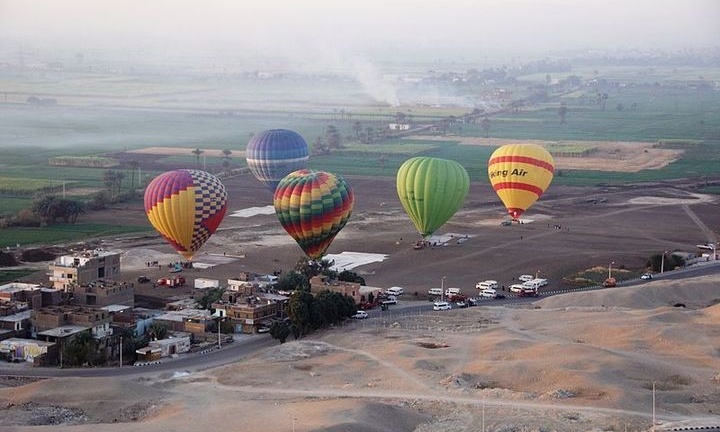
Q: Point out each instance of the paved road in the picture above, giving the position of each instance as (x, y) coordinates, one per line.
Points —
(250, 344)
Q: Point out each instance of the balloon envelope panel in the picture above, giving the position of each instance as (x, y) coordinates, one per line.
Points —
(520, 173)
(313, 206)
(275, 153)
(186, 208)
(431, 190)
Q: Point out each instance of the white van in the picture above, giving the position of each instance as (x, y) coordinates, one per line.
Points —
(441, 306)
(526, 277)
(396, 291)
(435, 291)
(516, 288)
(488, 284)
(452, 292)
(531, 284)
(488, 293)
(540, 282)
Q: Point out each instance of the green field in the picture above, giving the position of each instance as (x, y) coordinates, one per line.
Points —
(64, 233)
(13, 275)
(12, 204)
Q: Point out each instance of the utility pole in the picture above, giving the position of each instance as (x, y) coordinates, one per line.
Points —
(120, 351)
(442, 289)
(219, 346)
(662, 262)
(653, 408)
(610, 269)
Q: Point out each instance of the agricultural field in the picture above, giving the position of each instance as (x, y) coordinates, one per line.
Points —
(123, 117)
(63, 233)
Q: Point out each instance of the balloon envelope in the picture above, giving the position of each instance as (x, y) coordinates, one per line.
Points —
(520, 173)
(185, 207)
(431, 190)
(313, 206)
(275, 153)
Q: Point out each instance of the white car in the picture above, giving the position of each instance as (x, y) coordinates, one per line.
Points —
(488, 293)
(360, 315)
(646, 276)
(516, 288)
(438, 306)
(526, 278)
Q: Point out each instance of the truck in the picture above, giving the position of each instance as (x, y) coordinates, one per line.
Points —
(171, 281)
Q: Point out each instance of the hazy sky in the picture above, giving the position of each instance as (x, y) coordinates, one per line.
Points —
(434, 28)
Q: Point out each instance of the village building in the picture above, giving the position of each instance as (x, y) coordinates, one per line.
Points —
(29, 296)
(195, 321)
(84, 267)
(48, 318)
(322, 283)
(27, 350)
(102, 293)
(248, 313)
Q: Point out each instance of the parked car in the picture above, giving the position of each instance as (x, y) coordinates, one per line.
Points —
(441, 306)
(360, 315)
(263, 329)
(143, 279)
(472, 302)
(435, 292)
(516, 288)
(646, 276)
(488, 293)
(461, 304)
(525, 278)
(394, 291)
(390, 300)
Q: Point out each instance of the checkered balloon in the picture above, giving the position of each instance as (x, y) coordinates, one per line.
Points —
(186, 207)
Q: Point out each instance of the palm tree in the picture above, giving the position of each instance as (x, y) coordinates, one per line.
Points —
(486, 126)
(357, 128)
(226, 160)
(562, 112)
(197, 152)
(134, 166)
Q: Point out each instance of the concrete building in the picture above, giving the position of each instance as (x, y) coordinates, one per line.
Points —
(321, 283)
(248, 313)
(195, 321)
(25, 349)
(52, 317)
(84, 267)
(18, 322)
(102, 293)
(29, 296)
(177, 344)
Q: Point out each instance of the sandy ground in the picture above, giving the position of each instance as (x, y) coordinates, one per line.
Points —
(582, 361)
(624, 156)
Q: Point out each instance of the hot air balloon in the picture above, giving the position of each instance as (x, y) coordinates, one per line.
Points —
(275, 153)
(185, 206)
(520, 173)
(431, 190)
(313, 206)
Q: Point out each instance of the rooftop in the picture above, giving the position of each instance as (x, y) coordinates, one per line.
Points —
(20, 316)
(63, 331)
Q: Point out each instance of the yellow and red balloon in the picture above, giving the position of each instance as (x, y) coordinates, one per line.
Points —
(520, 173)
(186, 207)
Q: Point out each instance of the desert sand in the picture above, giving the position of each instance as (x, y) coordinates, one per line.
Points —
(571, 362)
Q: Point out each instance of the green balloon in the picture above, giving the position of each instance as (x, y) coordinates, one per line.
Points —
(431, 190)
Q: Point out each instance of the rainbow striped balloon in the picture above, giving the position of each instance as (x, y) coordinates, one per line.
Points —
(313, 206)
(520, 173)
(186, 207)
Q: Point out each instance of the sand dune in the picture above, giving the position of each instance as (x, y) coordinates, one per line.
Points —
(581, 361)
